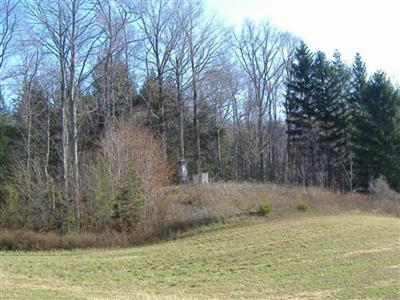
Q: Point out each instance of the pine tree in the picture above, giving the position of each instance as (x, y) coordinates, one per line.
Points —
(323, 116)
(358, 84)
(317, 90)
(3, 106)
(377, 140)
(342, 149)
(331, 89)
(328, 115)
(10, 138)
(113, 89)
(149, 98)
(299, 108)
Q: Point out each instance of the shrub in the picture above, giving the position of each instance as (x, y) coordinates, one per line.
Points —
(127, 207)
(379, 187)
(125, 177)
(303, 205)
(264, 209)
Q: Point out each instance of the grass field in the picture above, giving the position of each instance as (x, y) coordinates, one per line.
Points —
(311, 256)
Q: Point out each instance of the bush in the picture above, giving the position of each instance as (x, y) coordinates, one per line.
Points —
(127, 208)
(303, 205)
(379, 187)
(264, 209)
(124, 180)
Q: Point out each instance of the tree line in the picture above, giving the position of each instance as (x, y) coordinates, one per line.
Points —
(248, 104)
(342, 127)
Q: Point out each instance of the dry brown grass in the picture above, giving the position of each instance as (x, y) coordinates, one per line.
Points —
(28, 240)
(224, 200)
(178, 208)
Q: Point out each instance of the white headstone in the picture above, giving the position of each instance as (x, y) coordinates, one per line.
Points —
(200, 178)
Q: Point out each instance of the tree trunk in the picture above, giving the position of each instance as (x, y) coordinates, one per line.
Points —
(162, 111)
(196, 125)
(73, 121)
(221, 169)
(181, 110)
(236, 133)
(64, 131)
(29, 138)
(260, 147)
(195, 111)
(181, 125)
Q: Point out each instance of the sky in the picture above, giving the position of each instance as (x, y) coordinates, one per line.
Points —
(370, 27)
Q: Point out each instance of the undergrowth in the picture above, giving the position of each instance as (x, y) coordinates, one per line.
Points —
(185, 208)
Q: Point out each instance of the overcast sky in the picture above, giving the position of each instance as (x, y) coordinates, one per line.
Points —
(371, 27)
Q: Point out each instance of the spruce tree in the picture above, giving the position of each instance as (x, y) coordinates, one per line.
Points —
(299, 107)
(358, 82)
(330, 81)
(3, 106)
(318, 119)
(377, 141)
(341, 146)
(357, 89)
(322, 114)
(113, 88)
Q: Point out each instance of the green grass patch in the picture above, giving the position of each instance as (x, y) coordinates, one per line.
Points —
(303, 205)
(333, 256)
(264, 209)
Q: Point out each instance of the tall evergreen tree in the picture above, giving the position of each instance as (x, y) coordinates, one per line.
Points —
(358, 84)
(317, 90)
(113, 88)
(3, 106)
(10, 138)
(299, 108)
(323, 120)
(341, 81)
(377, 140)
(329, 92)
(149, 97)
(331, 88)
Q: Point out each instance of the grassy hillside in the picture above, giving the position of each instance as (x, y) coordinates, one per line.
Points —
(182, 208)
(224, 200)
(314, 257)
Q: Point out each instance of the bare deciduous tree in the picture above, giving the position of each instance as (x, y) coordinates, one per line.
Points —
(113, 21)
(160, 38)
(8, 24)
(68, 29)
(179, 61)
(48, 25)
(259, 49)
(204, 43)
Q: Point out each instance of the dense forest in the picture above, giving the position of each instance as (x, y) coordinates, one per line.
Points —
(100, 100)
